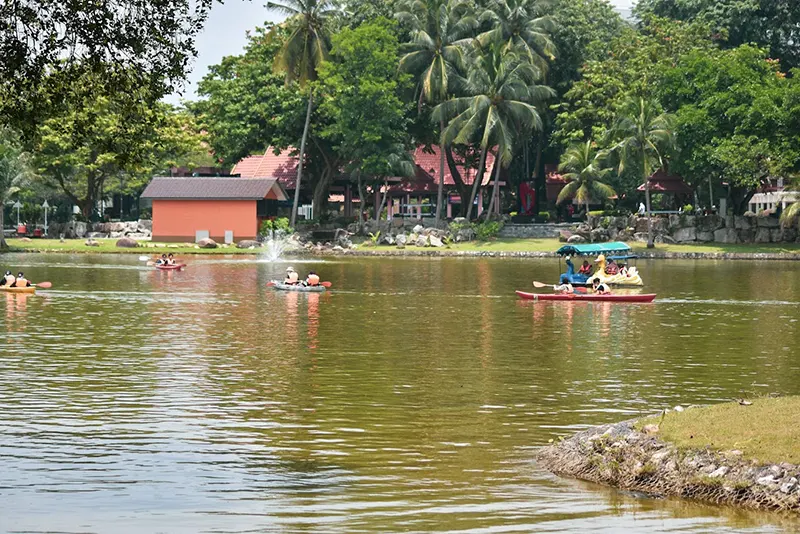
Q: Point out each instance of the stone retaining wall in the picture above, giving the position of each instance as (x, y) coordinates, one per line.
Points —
(619, 455)
(141, 229)
(535, 231)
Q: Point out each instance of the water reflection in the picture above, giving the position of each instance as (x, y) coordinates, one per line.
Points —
(410, 398)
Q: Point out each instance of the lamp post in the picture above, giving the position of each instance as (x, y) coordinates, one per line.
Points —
(18, 206)
(46, 207)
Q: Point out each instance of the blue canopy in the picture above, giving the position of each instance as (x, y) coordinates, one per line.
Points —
(593, 249)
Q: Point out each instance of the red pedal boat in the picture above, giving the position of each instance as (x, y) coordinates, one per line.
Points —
(647, 297)
(176, 267)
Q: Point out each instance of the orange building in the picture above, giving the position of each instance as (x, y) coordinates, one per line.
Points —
(224, 209)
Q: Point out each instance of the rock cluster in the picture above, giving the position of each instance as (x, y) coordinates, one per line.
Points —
(619, 455)
(141, 229)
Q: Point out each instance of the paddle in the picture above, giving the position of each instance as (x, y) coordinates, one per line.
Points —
(43, 285)
(541, 285)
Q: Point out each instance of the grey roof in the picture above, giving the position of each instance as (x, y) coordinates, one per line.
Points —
(233, 188)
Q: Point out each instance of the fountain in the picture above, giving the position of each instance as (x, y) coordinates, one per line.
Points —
(274, 246)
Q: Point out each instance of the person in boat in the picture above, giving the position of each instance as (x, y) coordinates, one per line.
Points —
(612, 267)
(564, 288)
(600, 288)
(170, 259)
(586, 268)
(162, 260)
(8, 279)
(312, 279)
(292, 278)
(21, 281)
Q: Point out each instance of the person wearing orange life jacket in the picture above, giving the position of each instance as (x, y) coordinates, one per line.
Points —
(21, 281)
(171, 260)
(292, 278)
(8, 279)
(312, 279)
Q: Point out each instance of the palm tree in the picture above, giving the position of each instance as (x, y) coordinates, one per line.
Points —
(439, 32)
(584, 168)
(644, 134)
(792, 212)
(500, 91)
(521, 25)
(300, 56)
(13, 169)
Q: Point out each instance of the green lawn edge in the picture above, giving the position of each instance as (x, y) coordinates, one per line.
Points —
(767, 431)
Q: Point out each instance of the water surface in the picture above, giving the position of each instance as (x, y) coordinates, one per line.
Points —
(412, 398)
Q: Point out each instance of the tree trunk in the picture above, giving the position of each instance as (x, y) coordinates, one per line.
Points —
(650, 240)
(319, 200)
(440, 194)
(539, 174)
(361, 205)
(710, 196)
(589, 224)
(463, 190)
(494, 204)
(383, 201)
(476, 183)
(300, 162)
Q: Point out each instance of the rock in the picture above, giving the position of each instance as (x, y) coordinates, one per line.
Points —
(663, 238)
(709, 223)
(96, 235)
(388, 239)
(127, 242)
(599, 235)
(640, 226)
(26, 239)
(768, 222)
(741, 223)
(650, 429)
(719, 472)
(640, 237)
(564, 235)
(80, 229)
(726, 235)
(576, 239)
(207, 243)
(400, 246)
(412, 237)
(418, 229)
(397, 222)
(765, 480)
(685, 235)
(145, 225)
(435, 241)
(248, 243)
(460, 220)
(465, 234)
(678, 408)
(705, 237)
(401, 240)
(421, 241)
(91, 243)
(762, 235)
(783, 235)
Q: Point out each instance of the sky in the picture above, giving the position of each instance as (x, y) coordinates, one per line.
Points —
(225, 34)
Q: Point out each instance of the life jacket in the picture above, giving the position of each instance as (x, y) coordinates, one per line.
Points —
(9, 280)
(20, 282)
(312, 280)
(292, 278)
(170, 262)
(585, 269)
(612, 269)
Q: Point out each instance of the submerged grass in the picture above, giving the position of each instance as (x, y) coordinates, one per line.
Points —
(767, 431)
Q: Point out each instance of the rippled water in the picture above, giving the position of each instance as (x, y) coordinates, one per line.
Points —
(412, 398)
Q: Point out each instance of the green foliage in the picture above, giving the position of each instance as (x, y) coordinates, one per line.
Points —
(688, 208)
(280, 224)
(375, 238)
(487, 230)
(584, 167)
(14, 170)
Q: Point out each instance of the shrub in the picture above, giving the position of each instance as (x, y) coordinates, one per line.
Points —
(688, 208)
(545, 216)
(455, 227)
(597, 213)
(274, 225)
(488, 230)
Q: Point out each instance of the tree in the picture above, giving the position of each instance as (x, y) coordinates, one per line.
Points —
(523, 26)
(300, 57)
(644, 134)
(585, 167)
(792, 212)
(439, 31)
(361, 90)
(501, 89)
(43, 40)
(774, 24)
(13, 170)
(100, 137)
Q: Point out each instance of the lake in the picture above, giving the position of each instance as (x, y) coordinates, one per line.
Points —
(412, 397)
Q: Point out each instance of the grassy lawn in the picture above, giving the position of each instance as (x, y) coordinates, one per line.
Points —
(767, 431)
(108, 246)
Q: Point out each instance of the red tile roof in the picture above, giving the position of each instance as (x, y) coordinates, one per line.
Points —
(212, 189)
(428, 160)
(661, 182)
(282, 167)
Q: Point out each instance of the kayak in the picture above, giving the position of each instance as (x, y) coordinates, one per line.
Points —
(27, 290)
(176, 267)
(647, 297)
(302, 289)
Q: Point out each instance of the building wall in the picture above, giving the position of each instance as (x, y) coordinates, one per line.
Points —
(178, 220)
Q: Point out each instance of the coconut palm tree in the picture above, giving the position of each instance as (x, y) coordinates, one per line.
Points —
(300, 56)
(439, 33)
(644, 135)
(584, 167)
(498, 107)
(13, 170)
(522, 25)
(792, 212)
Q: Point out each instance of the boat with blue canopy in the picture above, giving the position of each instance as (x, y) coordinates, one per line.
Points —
(611, 259)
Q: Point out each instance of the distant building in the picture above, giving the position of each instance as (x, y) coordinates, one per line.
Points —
(224, 209)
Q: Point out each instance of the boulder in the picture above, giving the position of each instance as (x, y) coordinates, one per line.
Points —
(115, 227)
(412, 237)
(464, 234)
(576, 239)
(783, 235)
(435, 241)
(710, 223)
(26, 239)
(747, 236)
(640, 237)
(599, 235)
(564, 235)
(664, 238)
(640, 225)
(685, 235)
(387, 239)
(248, 243)
(762, 236)
(705, 237)
(96, 235)
(397, 222)
(741, 223)
(80, 229)
(421, 241)
(144, 225)
(91, 243)
(418, 229)
(726, 235)
(127, 242)
(207, 243)
(401, 240)
(768, 222)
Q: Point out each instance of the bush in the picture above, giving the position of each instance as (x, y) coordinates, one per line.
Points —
(545, 216)
(487, 230)
(455, 227)
(274, 225)
(688, 208)
(597, 213)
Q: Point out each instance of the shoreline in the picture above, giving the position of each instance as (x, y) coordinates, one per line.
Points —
(621, 456)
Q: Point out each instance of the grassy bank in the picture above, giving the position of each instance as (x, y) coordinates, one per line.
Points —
(498, 245)
(767, 431)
